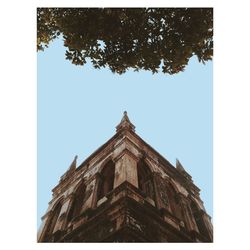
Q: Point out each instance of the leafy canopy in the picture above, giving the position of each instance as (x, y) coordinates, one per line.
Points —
(151, 39)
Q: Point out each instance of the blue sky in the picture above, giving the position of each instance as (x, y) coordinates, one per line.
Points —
(79, 107)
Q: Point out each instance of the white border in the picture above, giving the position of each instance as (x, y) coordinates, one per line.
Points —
(18, 122)
(126, 3)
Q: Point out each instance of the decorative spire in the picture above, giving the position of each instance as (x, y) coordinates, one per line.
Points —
(73, 164)
(179, 166)
(125, 123)
(70, 170)
(181, 169)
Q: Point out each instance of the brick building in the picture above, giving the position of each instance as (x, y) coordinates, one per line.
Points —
(126, 192)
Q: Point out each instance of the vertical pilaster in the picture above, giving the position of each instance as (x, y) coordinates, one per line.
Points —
(192, 223)
(188, 218)
(95, 190)
(161, 197)
(89, 195)
(43, 226)
(208, 225)
(126, 170)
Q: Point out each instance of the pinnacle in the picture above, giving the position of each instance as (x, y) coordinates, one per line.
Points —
(125, 123)
(73, 164)
(181, 169)
(179, 165)
(125, 117)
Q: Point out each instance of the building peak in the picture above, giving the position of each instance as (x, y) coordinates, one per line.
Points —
(70, 170)
(182, 170)
(72, 166)
(125, 123)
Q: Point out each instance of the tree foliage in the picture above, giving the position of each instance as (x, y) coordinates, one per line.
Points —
(151, 39)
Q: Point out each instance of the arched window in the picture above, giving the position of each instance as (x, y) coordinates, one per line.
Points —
(106, 179)
(145, 180)
(174, 202)
(52, 222)
(78, 201)
(197, 214)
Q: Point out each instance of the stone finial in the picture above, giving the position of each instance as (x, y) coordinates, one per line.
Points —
(181, 169)
(125, 123)
(73, 164)
(179, 166)
(70, 170)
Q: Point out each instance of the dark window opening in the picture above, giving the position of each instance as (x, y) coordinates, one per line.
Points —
(106, 183)
(145, 180)
(77, 203)
(199, 220)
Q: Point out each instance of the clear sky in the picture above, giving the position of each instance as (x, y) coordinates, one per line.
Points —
(79, 107)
